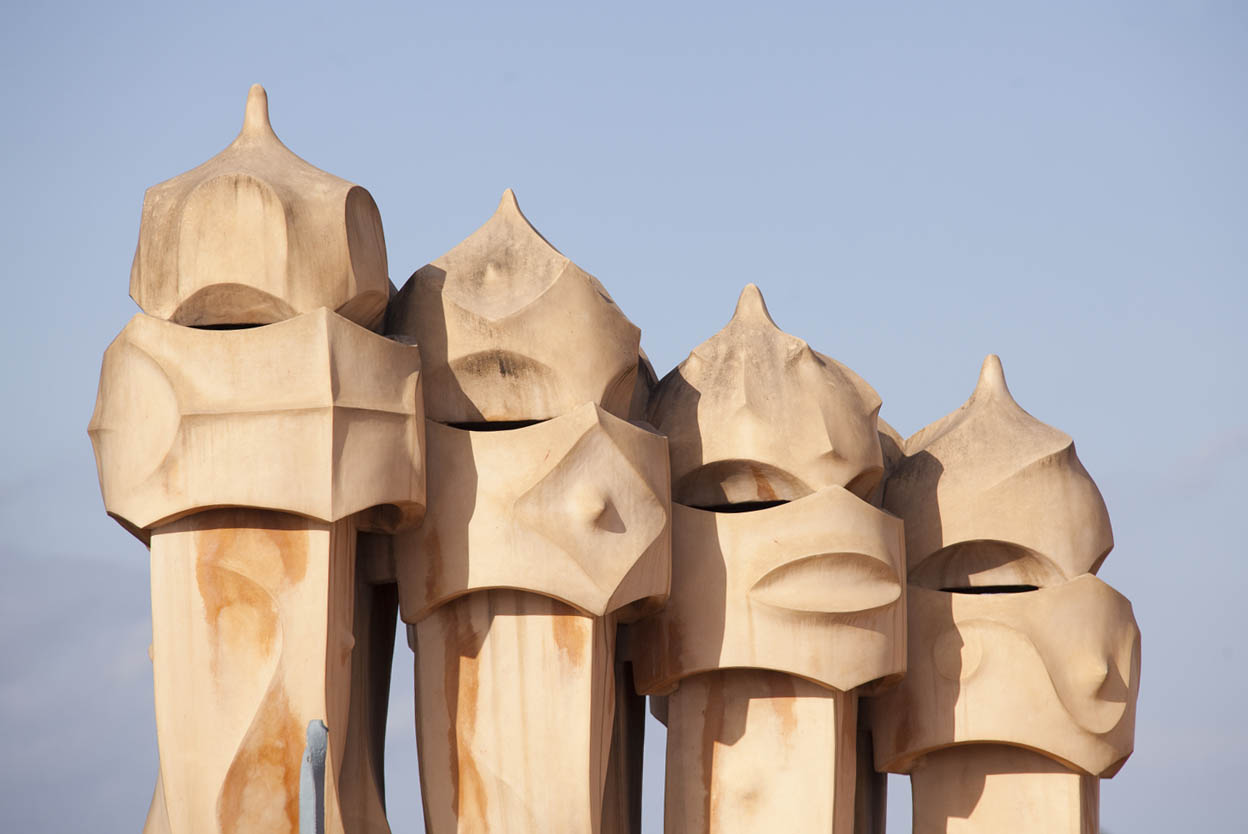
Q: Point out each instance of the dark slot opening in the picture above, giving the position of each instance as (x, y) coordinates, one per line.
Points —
(743, 507)
(992, 589)
(226, 326)
(495, 425)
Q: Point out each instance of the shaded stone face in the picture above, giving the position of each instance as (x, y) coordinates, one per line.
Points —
(509, 329)
(754, 415)
(256, 235)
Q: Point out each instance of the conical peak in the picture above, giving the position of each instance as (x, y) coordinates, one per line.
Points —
(992, 415)
(256, 123)
(751, 307)
(992, 379)
(508, 203)
(503, 266)
(750, 332)
(512, 218)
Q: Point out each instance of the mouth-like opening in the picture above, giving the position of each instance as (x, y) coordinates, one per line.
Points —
(226, 326)
(992, 589)
(743, 507)
(495, 425)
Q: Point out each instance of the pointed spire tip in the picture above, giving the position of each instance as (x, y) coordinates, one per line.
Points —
(750, 305)
(992, 376)
(256, 116)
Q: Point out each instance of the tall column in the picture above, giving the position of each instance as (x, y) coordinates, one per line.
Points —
(1023, 667)
(786, 584)
(247, 433)
(547, 525)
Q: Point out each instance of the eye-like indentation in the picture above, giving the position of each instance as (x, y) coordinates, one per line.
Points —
(829, 583)
(737, 481)
(983, 564)
(505, 364)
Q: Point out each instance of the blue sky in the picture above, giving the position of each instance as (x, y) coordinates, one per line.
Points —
(912, 187)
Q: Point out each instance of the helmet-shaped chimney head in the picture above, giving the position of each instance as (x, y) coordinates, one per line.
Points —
(754, 415)
(256, 235)
(991, 496)
(510, 329)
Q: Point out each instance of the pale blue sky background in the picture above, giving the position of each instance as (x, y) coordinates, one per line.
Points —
(914, 186)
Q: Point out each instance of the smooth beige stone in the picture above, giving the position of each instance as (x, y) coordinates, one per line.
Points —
(647, 381)
(515, 696)
(314, 416)
(1055, 670)
(989, 789)
(891, 445)
(621, 803)
(157, 821)
(574, 508)
(751, 751)
(870, 786)
(811, 588)
(252, 639)
(256, 235)
(361, 789)
(753, 414)
(992, 496)
(509, 329)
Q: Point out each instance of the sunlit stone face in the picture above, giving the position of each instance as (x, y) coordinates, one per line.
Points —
(574, 508)
(812, 588)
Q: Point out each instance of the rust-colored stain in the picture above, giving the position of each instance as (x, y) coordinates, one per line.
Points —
(431, 555)
(762, 485)
(473, 801)
(672, 636)
(570, 636)
(243, 562)
(460, 684)
(292, 548)
(241, 615)
(261, 790)
(237, 581)
(903, 736)
(783, 694)
(270, 555)
(712, 731)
